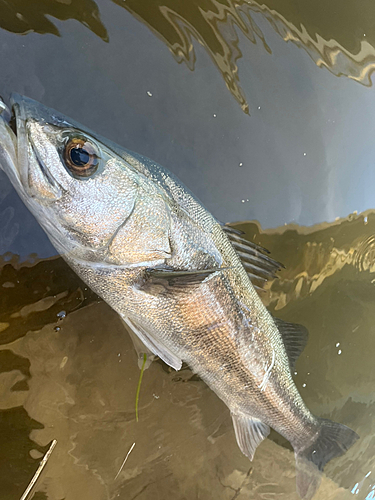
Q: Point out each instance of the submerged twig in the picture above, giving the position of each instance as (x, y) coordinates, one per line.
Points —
(125, 459)
(139, 386)
(39, 470)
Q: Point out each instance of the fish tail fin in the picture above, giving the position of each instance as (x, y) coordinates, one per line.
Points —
(332, 441)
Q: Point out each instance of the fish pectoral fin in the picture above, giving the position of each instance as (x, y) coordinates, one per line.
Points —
(178, 278)
(153, 344)
(258, 265)
(250, 432)
(294, 337)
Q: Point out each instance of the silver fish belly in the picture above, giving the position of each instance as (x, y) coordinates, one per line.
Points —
(184, 283)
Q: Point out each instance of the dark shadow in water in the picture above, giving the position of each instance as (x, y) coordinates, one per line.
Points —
(22, 16)
(337, 35)
(46, 282)
(16, 465)
(84, 377)
(10, 361)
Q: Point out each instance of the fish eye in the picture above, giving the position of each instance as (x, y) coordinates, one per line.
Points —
(81, 157)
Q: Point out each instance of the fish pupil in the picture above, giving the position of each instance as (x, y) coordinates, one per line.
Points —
(79, 157)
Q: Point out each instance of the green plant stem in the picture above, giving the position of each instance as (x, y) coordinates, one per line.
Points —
(139, 386)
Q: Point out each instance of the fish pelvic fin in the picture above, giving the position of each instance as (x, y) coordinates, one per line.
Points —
(152, 343)
(250, 432)
(333, 440)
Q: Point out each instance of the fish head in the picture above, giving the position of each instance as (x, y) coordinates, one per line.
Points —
(80, 189)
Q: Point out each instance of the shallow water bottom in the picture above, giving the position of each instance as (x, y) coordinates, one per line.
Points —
(69, 372)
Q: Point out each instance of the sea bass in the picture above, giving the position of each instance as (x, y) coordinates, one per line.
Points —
(177, 277)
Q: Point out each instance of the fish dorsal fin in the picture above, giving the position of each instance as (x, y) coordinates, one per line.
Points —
(250, 432)
(258, 265)
(153, 344)
(294, 337)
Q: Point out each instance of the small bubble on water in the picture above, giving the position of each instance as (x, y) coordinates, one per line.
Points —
(149, 93)
(339, 351)
(295, 373)
(337, 344)
(304, 154)
(242, 201)
(215, 116)
(303, 385)
(61, 314)
(258, 107)
(365, 219)
(57, 328)
(240, 164)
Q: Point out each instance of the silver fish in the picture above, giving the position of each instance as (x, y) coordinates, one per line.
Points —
(177, 277)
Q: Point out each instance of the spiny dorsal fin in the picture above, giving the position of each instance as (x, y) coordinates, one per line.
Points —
(294, 337)
(259, 266)
(250, 432)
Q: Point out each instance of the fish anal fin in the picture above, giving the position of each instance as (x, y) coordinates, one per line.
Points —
(250, 432)
(332, 440)
(295, 338)
(153, 344)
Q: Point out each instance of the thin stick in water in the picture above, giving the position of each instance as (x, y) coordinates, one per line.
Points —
(125, 459)
(39, 470)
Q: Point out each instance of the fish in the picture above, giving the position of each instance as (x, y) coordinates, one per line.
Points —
(183, 282)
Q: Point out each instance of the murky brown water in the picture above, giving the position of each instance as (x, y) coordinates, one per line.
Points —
(269, 116)
(74, 380)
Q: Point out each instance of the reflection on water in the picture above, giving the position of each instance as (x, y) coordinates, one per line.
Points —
(23, 16)
(73, 377)
(213, 23)
(346, 48)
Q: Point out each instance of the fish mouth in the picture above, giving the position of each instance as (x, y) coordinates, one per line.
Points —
(16, 144)
(13, 141)
(8, 144)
